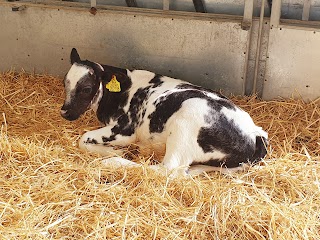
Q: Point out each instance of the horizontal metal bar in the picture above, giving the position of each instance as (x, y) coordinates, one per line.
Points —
(79, 6)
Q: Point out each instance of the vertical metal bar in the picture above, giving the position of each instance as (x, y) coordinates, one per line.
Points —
(256, 64)
(246, 25)
(247, 15)
(306, 10)
(275, 13)
(246, 62)
(199, 6)
(131, 3)
(166, 4)
(93, 3)
(270, 5)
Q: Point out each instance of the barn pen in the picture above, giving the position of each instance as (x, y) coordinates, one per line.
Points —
(263, 54)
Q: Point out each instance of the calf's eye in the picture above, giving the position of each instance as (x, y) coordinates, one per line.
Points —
(86, 90)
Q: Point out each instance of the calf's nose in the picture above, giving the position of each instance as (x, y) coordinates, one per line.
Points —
(64, 113)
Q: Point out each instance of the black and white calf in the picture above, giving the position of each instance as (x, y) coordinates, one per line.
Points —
(198, 128)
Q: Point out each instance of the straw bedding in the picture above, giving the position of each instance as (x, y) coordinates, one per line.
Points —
(49, 189)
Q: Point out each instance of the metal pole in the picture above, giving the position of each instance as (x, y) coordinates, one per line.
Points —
(275, 13)
(247, 15)
(256, 64)
(306, 10)
(93, 3)
(246, 25)
(166, 4)
(199, 6)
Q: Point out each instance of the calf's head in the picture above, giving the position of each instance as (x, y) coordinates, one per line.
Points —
(81, 84)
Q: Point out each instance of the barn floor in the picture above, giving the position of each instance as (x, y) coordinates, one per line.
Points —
(49, 189)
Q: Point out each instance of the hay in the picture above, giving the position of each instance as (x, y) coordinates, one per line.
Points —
(52, 190)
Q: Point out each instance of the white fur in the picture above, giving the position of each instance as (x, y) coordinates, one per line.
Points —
(75, 73)
(96, 100)
(244, 122)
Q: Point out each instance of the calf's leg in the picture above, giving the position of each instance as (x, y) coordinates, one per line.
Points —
(101, 141)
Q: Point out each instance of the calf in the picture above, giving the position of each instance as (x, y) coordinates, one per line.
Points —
(198, 128)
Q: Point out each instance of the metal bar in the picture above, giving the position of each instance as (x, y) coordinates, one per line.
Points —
(275, 13)
(246, 63)
(93, 3)
(306, 10)
(270, 5)
(256, 64)
(166, 4)
(199, 6)
(131, 3)
(247, 15)
(246, 25)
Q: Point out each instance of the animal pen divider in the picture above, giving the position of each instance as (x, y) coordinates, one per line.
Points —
(51, 189)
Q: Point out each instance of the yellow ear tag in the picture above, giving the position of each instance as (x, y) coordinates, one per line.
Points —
(113, 85)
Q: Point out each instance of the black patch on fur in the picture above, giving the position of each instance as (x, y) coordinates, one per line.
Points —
(128, 122)
(226, 138)
(167, 105)
(260, 150)
(156, 81)
(108, 139)
(91, 141)
(112, 103)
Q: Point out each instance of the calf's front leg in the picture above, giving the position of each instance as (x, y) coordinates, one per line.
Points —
(101, 141)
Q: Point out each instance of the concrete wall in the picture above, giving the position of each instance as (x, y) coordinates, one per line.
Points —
(206, 51)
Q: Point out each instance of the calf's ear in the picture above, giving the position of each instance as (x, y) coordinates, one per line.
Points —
(74, 56)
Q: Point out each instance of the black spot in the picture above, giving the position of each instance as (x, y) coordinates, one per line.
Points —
(124, 127)
(156, 81)
(144, 112)
(167, 105)
(108, 139)
(91, 141)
